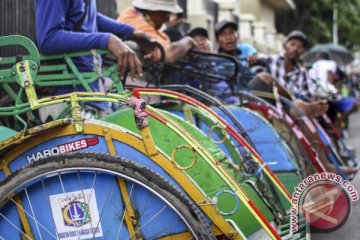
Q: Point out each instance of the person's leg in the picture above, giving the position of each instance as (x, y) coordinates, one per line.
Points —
(316, 108)
(269, 80)
(311, 110)
(345, 106)
(308, 128)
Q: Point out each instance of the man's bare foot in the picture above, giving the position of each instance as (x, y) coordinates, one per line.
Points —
(346, 170)
(318, 108)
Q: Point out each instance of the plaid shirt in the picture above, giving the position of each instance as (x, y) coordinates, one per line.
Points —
(297, 81)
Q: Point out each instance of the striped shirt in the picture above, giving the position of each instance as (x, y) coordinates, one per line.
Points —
(296, 81)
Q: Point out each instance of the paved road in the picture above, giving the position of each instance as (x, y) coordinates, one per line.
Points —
(351, 229)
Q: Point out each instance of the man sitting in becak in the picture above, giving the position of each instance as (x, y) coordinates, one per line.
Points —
(226, 36)
(326, 74)
(148, 16)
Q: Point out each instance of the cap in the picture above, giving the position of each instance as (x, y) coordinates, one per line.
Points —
(296, 34)
(199, 31)
(225, 23)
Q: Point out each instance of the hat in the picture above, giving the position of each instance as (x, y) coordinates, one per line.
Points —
(199, 31)
(296, 34)
(158, 5)
(225, 23)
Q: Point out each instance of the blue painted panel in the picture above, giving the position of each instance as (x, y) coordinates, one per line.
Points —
(266, 140)
(10, 214)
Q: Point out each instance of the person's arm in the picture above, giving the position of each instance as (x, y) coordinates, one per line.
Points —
(106, 24)
(51, 35)
(284, 92)
(109, 25)
(178, 49)
(250, 52)
(270, 80)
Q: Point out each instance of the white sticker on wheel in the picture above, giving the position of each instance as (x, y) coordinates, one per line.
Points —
(76, 215)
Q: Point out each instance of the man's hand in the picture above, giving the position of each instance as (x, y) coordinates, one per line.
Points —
(145, 43)
(126, 58)
(190, 42)
(252, 59)
(179, 49)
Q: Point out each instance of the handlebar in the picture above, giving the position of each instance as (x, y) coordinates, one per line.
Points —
(220, 56)
(218, 67)
(259, 62)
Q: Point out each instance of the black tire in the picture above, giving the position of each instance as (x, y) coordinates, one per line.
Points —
(180, 202)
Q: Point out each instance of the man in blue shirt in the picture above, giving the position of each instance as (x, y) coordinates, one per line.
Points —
(64, 26)
(227, 39)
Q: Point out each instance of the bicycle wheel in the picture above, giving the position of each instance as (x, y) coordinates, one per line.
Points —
(91, 195)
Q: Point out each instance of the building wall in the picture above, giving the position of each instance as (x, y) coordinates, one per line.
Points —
(252, 6)
(261, 10)
(122, 4)
(196, 13)
(262, 20)
(267, 15)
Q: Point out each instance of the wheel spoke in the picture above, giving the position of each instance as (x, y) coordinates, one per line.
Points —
(32, 212)
(158, 213)
(12, 224)
(48, 201)
(63, 190)
(123, 216)
(103, 210)
(28, 214)
(87, 201)
(147, 203)
(169, 226)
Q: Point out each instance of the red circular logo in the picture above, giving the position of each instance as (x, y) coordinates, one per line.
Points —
(326, 206)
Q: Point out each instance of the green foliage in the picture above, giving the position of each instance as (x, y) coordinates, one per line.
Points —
(318, 19)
